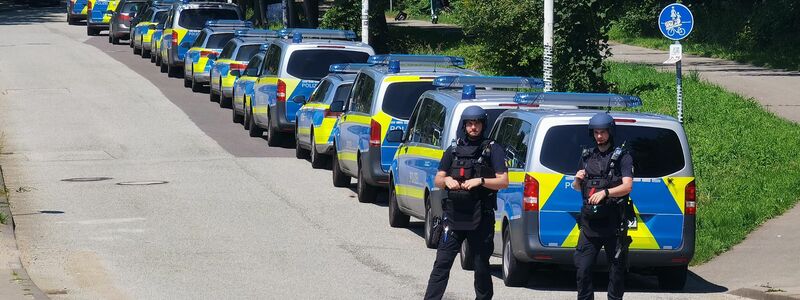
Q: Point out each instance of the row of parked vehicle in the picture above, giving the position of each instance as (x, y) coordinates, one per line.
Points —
(387, 119)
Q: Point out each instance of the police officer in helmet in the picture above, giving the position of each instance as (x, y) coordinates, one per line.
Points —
(471, 171)
(605, 181)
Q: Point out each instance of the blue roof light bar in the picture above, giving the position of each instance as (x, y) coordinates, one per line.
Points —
(246, 33)
(228, 23)
(348, 68)
(488, 82)
(331, 34)
(263, 47)
(384, 59)
(579, 99)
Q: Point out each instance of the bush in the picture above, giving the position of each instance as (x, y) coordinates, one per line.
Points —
(346, 14)
(581, 44)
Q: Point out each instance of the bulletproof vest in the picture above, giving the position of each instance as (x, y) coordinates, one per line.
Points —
(602, 172)
(465, 208)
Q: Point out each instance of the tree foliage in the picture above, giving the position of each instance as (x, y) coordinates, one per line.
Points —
(346, 14)
(581, 44)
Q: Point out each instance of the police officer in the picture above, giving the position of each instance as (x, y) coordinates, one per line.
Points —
(471, 171)
(605, 181)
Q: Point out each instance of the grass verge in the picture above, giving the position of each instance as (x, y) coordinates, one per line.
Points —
(746, 160)
(768, 58)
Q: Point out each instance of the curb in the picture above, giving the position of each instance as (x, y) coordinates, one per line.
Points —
(21, 278)
(763, 295)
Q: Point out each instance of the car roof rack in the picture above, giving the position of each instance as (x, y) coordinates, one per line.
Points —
(578, 99)
(489, 82)
(385, 59)
(255, 33)
(219, 24)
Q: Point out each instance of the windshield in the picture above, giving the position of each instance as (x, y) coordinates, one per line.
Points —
(195, 19)
(218, 40)
(313, 64)
(656, 152)
(246, 52)
(401, 97)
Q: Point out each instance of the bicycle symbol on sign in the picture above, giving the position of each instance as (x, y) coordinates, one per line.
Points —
(674, 26)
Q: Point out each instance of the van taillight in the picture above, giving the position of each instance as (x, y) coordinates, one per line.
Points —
(530, 194)
(374, 133)
(330, 114)
(691, 198)
(124, 17)
(174, 38)
(238, 66)
(281, 95)
(89, 5)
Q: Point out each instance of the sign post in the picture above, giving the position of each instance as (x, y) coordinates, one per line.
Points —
(676, 22)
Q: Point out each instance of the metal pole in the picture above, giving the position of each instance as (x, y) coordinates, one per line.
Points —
(547, 56)
(365, 21)
(679, 87)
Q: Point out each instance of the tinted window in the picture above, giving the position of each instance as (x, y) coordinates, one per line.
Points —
(429, 123)
(401, 97)
(130, 7)
(656, 152)
(513, 135)
(148, 15)
(195, 19)
(361, 96)
(319, 94)
(246, 52)
(314, 64)
(160, 17)
(227, 51)
(491, 117)
(341, 93)
(201, 38)
(272, 61)
(253, 65)
(217, 40)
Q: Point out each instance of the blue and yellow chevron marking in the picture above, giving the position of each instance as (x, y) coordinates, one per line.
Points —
(143, 30)
(79, 7)
(266, 90)
(243, 89)
(99, 8)
(658, 203)
(420, 165)
(323, 126)
(184, 35)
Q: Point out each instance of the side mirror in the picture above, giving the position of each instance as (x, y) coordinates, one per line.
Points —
(395, 136)
(212, 56)
(299, 99)
(336, 107)
(186, 45)
(235, 73)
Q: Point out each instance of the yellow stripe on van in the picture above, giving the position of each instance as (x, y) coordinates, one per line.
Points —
(423, 152)
(678, 189)
(406, 78)
(410, 191)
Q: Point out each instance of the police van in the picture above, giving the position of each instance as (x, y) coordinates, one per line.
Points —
(293, 65)
(206, 48)
(537, 214)
(381, 100)
(184, 22)
(435, 125)
(316, 121)
(234, 57)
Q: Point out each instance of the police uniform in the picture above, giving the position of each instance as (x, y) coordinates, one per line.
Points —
(602, 225)
(468, 215)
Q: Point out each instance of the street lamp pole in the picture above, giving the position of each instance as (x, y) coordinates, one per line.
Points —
(547, 56)
(365, 21)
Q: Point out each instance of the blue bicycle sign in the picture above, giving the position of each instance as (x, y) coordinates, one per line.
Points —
(675, 21)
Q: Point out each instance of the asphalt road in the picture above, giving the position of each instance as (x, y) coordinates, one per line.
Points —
(235, 220)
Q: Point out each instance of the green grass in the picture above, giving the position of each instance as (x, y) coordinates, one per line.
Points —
(746, 160)
(770, 58)
(445, 17)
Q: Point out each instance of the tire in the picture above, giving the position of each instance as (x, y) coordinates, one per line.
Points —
(318, 160)
(366, 192)
(114, 40)
(71, 20)
(146, 53)
(515, 272)
(299, 152)
(213, 97)
(172, 71)
(164, 67)
(253, 130)
(274, 138)
(672, 278)
(466, 257)
(196, 87)
(152, 56)
(247, 115)
(236, 117)
(91, 31)
(186, 82)
(224, 102)
(397, 218)
(340, 179)
(428, 234)
(109, 38)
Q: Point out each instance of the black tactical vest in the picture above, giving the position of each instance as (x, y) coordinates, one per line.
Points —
(601, 173)
(465, 208)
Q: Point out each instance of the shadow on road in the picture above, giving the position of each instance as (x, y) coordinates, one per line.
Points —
(30, 13)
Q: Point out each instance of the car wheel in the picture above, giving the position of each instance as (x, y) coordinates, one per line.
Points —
(366, 192)
(152, 56)
(70, 19)
(90, 31)
(253, 130)
(274, 138)
(515, 272)
(136, 50)
(466, 257)
(172, 71)
(672, 278)
(429, 228)
(340, 179)
(146, 53)
(397, 218)
(299, 152)
(164, 67)
(114, 40)
(196, 87)
(246, 113)
(318, 160)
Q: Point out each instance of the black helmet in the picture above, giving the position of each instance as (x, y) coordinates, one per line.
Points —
(473, 113)
(602, 121)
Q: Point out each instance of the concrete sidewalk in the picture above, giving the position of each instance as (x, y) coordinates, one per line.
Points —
(765, 265)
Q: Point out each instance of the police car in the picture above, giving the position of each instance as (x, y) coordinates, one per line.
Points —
(98, 15)
(207, 46)
(243, 88)
(142, 34)
(234, 56)
(537, 216)
(76, 11)
(434, 125)
(292, 68)
(155, 40)
(382, 99)
(316, 122)
(183, 25)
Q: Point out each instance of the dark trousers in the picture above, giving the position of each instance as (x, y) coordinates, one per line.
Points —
(586, 255)
(481, 244)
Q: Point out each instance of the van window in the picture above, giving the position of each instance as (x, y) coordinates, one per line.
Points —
(319, 94)
(228, 50)
(246, 52)
(341, 93)
(401, 97)
(429, 123)
(656, 152)
(272, 61)
(491, 118)
(217, 40)
(195, 19)
(253, 65)
(361, 97)
(313, 64)
(201, 38)
(513, 134)
(160, 16)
